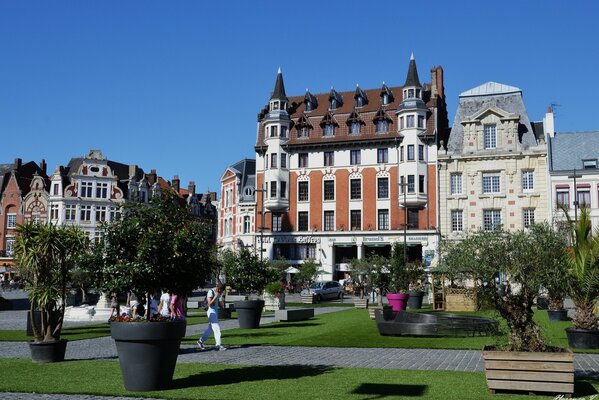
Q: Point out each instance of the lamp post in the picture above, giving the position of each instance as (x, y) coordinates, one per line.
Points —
(261, 222)
(403, 185)
(574, 175)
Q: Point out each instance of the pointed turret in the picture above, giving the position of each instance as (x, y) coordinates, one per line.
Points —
(279, 92)
(412, 78)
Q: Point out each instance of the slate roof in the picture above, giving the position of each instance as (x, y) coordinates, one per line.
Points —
(4, 171)
(568, 149)
(412, 78)
(246, 171)
(279, 92)
(490, 94)
(24, 175)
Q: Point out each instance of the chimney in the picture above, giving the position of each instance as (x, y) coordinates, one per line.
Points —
(43, 166)
(176, 183)
(191, 188)
(152, 177)
(18, 163)
(548, 123)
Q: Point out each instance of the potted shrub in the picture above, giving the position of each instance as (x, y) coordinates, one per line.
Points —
(583, 280)
(524, 257)
(308, 271)
(416, 277)
(152, 248)
(274, 292)
(46, 255)
(556, 288)
(248, 274)
(379, 279)
(399, 279)
(360, 272)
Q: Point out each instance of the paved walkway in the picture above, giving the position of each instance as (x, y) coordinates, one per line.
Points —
(586, 365)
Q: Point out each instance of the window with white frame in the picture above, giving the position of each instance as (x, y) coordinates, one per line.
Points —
(283, 189)
(491, 183)
(102, 190)
(36, 217)
(328, 130)
(409, 121)
(421, 121)
(10, 246)
(562, 197)
(456, 182)
(329, 158)
(355, 128)
(273, 189)
(70, 212)
(589, 164)
(491, 219)
(303, 132)
(85, 214)
(302, 221)
(329, 189)
(246, 224)
(273, 160)
(383, 220)
(382, 156)
(283, 160)
(421, 152)
(283, 131)
(410, 152)
(55, 189)
(400, 153)
(277, 222)
(274, 131)
(382, 126)
(411, 184)
(457, 221)
(583, 197)
(100, 213)
(303, 193)
(86, 189)
(355, 186)
(302, 160)
(329, 220)
(115, 213)
(528, 183)
(528, 216)
(54, 212)
(421, 184)
(490, 136)
(382, 188)
(355, 157)
(11, 221)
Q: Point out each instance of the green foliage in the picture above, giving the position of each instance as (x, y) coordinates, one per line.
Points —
(308, 271)
(46, 256)
(583, 271)
(245, 271)
(360, 270)
(280, 265)
(155, 247)
(274, 288)
(399, 273)
(527, 258)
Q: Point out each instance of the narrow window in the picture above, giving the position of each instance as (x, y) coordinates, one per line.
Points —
(383, 219)
(382, 156)
(329, 159)
(490, 136)
(457, 221)
(356, 220)
(329, 220)
(302, 191)
(383, 188)
(456, 183)
(410, 152)
(302, 221)
(421, 152)
(303, 160)
(329, 190)
(355, 189)
(355, 158)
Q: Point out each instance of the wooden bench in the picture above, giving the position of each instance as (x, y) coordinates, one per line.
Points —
(294, 314)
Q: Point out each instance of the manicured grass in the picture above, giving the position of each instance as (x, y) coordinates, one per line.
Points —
(202, 381)
(318, 305)
(81, 332)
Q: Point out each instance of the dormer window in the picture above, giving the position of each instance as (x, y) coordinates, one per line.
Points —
(310, 101)
(382, 126)
(359, 101)
(381, 121)
(303, 132)
(309, 106)
(386, 99)
(361, 97)
(328, 130)
(335, 100)
(355, 128)
(274, 105)
(334, 104)
(303, 127)
(354, 123)
(386, 95)
(589, 164)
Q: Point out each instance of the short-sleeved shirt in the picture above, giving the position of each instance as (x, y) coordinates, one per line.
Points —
(166, 301)
(213, 309)
(178, 303)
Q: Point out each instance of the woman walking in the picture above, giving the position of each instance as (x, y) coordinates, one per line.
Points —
(214, 302)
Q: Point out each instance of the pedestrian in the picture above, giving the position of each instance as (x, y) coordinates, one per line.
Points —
(214, 303)
(177, 307)
(153, 307)
(114, 305)
(164, 305)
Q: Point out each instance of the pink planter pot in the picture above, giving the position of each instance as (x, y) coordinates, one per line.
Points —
(398, 301)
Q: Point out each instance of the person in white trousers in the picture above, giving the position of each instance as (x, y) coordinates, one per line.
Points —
(214, 302)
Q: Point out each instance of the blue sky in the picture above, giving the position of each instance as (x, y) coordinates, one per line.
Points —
(176, 86)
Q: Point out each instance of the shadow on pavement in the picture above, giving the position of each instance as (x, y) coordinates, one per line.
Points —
(381, 390)
(247, 374)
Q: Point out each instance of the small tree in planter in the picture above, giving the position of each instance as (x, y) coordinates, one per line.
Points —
(524, 257)
(360, 270)
(155, 247)
(308, 271)
(276, 289)
(248, 274)
(399, 278)
(46, 255)
(416, 275)
(583, 280)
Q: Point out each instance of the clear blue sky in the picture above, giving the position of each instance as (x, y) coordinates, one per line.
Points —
(176, 86)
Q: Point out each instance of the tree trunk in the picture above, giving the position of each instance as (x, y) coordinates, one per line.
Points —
(83, 295)
(585, 317)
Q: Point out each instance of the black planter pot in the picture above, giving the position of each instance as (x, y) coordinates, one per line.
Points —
(583, 338)
(415, 300)
(148, 352)
(542, 303)
(249, 313)
(47, 352)
(37, 316)
(557, 315)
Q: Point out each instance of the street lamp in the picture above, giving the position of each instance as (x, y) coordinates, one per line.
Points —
(263, 191)
(404, 186)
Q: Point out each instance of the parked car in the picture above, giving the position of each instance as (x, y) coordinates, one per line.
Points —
(325, 290)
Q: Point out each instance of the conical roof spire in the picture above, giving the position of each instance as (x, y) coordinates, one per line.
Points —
(412, 78)
(279, 92)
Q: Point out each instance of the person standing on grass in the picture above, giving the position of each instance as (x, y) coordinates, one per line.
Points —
(214, 303)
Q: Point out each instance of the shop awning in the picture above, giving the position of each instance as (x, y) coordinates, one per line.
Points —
(345, 244)
(370, 244)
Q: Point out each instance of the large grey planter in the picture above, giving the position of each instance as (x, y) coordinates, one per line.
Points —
(148, 352)
(415, 300)
(249, 313)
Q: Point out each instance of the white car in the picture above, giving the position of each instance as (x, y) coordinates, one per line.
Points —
(325, 290)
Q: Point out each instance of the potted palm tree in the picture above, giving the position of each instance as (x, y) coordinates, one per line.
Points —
(583, 280)
(152, 248)
(525, 257)
(46, 255)
(248, 274)
(399, 279)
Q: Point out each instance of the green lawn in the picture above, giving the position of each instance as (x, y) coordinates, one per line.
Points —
(321, 304)
(201, 381)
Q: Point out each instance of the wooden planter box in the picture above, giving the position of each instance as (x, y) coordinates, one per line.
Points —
(460, 299)
(387, 311)
(361, 303)
(309, 299)
(529, 371)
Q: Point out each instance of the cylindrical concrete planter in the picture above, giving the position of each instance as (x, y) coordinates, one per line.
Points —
(37, 316)
(47, 352)
(249, 313)
(557, 315)
(583, 338)
(398, 301)
(148, 352)
(415, 300)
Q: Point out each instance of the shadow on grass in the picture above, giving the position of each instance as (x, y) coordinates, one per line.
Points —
(292, 325)
(248, 374)
(584, 388)
(381, 390)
